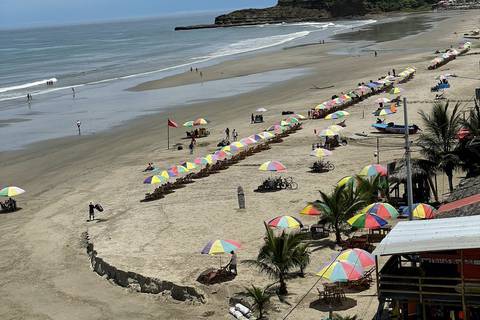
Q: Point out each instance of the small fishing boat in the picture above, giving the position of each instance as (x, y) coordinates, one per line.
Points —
(395, 128)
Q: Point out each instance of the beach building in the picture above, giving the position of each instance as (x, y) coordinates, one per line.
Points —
(432, 269)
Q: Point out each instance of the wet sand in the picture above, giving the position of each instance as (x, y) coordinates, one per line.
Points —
(46, 273)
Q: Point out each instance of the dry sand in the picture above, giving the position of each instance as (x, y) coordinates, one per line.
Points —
(45, 272)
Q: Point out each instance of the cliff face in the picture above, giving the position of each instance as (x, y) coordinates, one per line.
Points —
(295, 11)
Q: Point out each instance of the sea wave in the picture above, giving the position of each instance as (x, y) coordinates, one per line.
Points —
(27, 85)
(255, 44)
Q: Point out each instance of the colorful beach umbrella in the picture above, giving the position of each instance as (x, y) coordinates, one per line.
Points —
(188, 124)
(422, 211)
(200, 122)
(238, 144)
(189, 165)
(320, 153)
(337, 115)
(347, 181)
(335, 128)
(202, 161)
(285, 222)
(396, 91)
(340, 271)
(156, 179)
(277, 128)
(327, 133)
(384, 112)
(220, 246)
(311, 210)
(383, 210)
(272, 166)
(231, 148)
(321, 106)
(299, 116)
(266, 135)
(367, 221)
(357, 257)
(248, 141)
(221, 155)
(11, 191)
(291, 120)
(256, 137)
(373, 170)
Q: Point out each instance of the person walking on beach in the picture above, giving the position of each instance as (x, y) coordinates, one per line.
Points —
(190, 146)
(376, 54)
(73, 92)
(91, 212)
(78, 126)
(234, 135)
(394, 72)
(253, 119)
(201, 74)
(227, 133)
(232, 265)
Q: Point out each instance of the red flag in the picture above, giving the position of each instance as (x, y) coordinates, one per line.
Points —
(172, 124)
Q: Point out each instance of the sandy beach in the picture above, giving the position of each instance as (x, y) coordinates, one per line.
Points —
(46, 272)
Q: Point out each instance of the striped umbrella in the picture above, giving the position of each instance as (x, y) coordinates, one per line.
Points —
(335, 128)
(337, 115)
(311, 210)
(285, 222)
(291, 120)
(340, 271)
(357, 257)
(349, 180)
(256, 137)
(231, 148)
(248, 141)
(382, 100)
(327, 133)
(221, 155)
(373, 170)
(200, 122)
(238, 144)
(189, 165)
(321, 106)
(220, 246)
(188, 124)
(383, 210)
(266, 135)
(277, 128)
(422, 211)
(202, 161)
(367, 221)
(396, 91)
(320, 153)
(272, 166)
(298, 116)
(156, 179)
(11, 191)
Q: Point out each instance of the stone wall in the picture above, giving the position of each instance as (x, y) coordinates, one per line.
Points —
(138, 282)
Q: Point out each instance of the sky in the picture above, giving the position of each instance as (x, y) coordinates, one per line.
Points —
(25, 13)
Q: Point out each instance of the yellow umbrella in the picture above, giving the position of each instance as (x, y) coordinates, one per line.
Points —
(189, 165)
(200, 122)
(11, 191)
(346, 180)
(266, 135)
(328, 133)
(335, 128)
(238, 144)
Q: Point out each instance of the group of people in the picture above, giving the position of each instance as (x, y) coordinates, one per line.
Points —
(196, 70)
(234, 134)
(9, 205)
(256, 118)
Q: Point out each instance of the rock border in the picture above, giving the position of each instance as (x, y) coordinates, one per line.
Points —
(137, 282)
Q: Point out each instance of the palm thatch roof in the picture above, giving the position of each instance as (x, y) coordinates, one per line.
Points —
(466, 188)
(421, 169)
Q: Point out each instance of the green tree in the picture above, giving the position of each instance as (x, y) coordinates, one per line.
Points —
(438, 140)
(370, 189)
(467, 151)
(279, 255)
(261, 298)
(339, 206)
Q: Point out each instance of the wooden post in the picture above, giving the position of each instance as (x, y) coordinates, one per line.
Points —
(168, 136)
(241, 197)
(377, 277)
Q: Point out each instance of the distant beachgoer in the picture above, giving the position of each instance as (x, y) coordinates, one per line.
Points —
(201, 74)
(191, 69)
(376, 54)
(232, 265)
(234, 135)
(227, 133)
(196, 69)
(78, 126)
(91, 211)
(394, 72)
(190, 146)
(253, 119)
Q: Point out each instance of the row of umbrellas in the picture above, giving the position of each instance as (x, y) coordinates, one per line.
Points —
(198, 122)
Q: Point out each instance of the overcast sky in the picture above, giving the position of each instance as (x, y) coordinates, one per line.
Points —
(24, 13)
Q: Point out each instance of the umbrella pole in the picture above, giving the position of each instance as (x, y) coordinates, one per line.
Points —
(168, 136)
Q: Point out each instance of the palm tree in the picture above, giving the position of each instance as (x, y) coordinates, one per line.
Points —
(370, 189)
(279, 255)
(261, 298)
(468, 149)
(339, 206)
(302, 254)
(439, 138)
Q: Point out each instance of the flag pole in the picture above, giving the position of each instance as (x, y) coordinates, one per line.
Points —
(168, 135)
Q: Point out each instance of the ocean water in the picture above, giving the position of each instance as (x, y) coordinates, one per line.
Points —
(102, 60)
(94, 53)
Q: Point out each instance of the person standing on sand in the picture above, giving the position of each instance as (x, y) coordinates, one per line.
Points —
(91, 212)
(78, 126)
(232, 265)
(190, 146)
(227, 133)
(253, 119)
(376, 54)
(201, 74)
(235, 135)
(73, 92)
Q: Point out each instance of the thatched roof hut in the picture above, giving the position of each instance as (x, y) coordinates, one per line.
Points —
(421, 169)
(464, 200)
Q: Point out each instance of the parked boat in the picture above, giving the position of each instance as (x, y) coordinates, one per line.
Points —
(395, 128)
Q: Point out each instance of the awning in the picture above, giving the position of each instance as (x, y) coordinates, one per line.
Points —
(431, 235)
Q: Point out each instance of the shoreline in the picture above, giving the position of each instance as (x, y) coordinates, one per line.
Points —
(61, 176)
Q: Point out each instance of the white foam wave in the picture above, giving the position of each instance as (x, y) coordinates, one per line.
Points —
(27, 85)
(257, 44)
